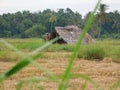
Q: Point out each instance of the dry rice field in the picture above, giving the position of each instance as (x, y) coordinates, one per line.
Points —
(105, 73)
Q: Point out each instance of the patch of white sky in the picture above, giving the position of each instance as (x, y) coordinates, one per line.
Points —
(81, 6)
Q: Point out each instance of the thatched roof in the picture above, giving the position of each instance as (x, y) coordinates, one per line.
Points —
(70, 34)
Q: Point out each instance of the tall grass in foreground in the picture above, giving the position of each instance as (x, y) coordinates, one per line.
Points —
(27, 59)
(65, 80)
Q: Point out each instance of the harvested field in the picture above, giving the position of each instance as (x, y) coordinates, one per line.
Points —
(105, 73)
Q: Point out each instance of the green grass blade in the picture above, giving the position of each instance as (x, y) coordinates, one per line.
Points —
(19, 66)
(64, 82)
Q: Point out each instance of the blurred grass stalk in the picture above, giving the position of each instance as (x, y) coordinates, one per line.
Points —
(64, 83)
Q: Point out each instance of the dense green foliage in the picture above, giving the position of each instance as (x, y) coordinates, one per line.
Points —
(26, 24)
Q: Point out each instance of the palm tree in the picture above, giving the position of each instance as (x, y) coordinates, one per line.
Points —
(101, 17)
(52, 19)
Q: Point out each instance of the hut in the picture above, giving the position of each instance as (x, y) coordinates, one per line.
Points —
(69, 35)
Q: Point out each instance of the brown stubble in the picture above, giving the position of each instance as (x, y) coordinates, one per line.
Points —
(103, 73)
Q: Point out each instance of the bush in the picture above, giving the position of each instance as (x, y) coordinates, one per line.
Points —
(92, 52)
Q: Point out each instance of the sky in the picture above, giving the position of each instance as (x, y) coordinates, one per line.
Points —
(81, 6)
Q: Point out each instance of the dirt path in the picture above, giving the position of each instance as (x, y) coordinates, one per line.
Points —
(104, 73)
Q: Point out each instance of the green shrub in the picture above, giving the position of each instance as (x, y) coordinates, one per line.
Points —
(92, 52)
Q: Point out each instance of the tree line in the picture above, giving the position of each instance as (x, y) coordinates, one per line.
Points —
(26, 24)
